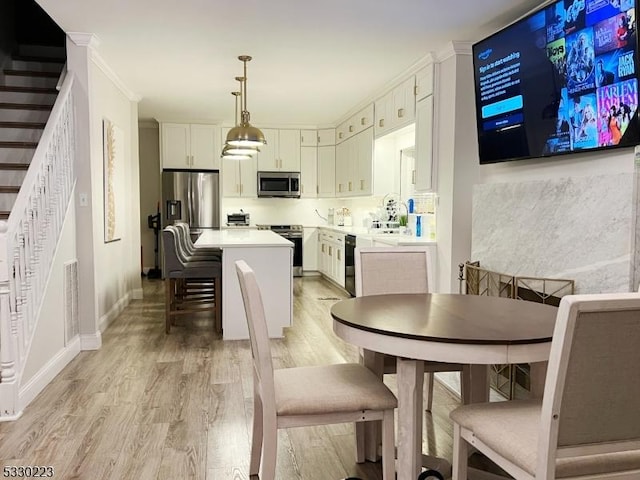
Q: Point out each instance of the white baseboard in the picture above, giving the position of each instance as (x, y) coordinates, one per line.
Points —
(137, 294)
(113, 313)
(91, 342)
(47, 373)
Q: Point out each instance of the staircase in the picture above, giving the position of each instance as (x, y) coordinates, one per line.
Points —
(26, 98)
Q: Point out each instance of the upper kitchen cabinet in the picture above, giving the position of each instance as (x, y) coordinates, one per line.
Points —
(308, 172)
(354, 160)
(424, 164)
(308, 138)
(326, 137)
(397, 108)
(190, 146)
(282, 151)
(424, 82)
(355, 124)
(327, 171)
(239, 177)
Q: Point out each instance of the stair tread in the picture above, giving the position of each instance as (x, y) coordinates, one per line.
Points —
(31, 125)
(9, 189)
(33, 58)
(18, 144)
(25, 106)
(11, 88)
(14, 166)
(31, 73)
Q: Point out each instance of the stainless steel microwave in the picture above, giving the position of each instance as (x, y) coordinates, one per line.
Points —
(279, 184)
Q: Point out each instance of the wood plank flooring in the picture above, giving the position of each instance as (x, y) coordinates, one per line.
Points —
(179, 406)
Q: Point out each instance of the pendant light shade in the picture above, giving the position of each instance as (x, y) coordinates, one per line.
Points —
(230, 152)
(244, 134)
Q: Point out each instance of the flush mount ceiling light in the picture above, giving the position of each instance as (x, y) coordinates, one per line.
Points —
(237, 153)
(244, 134)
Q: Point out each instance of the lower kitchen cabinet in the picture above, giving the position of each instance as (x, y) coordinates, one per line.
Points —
(331, 255)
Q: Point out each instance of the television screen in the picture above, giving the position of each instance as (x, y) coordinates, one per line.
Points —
(564, 79)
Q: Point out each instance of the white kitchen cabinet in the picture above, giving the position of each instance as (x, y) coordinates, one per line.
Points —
(354, 161)
(331, 255)
(308, 138)
(326, 171)
(425, 82)
(239, 178)
(364, 165)
(309, 172)
(282, 151)
(310, 249)
(424, 164)
(355, 124)
(326, 137)
(397, 108)
(190, 146)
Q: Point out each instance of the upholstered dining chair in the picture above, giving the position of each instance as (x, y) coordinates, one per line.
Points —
(386, 270)
(306, 396)
(587, 426)
(182, 298)
(190, 248)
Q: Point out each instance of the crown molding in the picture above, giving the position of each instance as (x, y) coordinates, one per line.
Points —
(428, 59)
(81, 39)
(97, 59)
(454, 48)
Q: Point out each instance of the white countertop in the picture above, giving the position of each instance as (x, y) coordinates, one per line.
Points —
(389, 238)
(241, 238)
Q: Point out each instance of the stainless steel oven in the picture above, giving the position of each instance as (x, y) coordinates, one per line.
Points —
(293, 233)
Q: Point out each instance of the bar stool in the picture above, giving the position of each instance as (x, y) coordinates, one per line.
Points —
(191, 286)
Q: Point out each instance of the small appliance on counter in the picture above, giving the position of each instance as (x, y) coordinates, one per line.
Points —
(240, 219)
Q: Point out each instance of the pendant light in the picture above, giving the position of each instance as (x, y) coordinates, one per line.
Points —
(244, 134)
(236, 153)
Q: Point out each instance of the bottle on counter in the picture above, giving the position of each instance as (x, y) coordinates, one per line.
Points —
(418, 225)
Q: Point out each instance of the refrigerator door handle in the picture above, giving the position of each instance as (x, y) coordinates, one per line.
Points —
(190, 198)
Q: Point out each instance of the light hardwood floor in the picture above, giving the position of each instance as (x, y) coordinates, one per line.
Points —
(154, 406)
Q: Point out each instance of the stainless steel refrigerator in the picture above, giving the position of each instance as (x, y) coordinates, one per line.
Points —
(191, 196)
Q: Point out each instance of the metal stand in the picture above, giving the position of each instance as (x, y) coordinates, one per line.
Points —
(153, 222)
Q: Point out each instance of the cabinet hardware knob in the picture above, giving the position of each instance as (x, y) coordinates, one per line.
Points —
(381, 123)
(338, 252)
(400, 112)
(363, 121)
(318, 139)
(349, 186)
(187, 159)
(351, 128)
(413, 177)
(361, 184)
(340, 135)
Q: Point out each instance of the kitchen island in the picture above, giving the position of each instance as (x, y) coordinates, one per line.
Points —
(271, 257)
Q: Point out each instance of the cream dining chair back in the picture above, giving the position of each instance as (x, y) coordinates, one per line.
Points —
(588, 423)
(305, 396)
(387, 270)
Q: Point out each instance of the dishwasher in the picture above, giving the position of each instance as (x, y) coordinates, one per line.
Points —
(349, 264)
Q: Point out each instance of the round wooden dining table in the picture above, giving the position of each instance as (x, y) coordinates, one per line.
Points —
(452, 328)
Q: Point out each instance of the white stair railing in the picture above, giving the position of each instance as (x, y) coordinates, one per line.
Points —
(28, 241)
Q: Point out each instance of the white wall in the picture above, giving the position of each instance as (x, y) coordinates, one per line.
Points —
(457, 163)
(49, 336)
(117, 264)
(150, 187)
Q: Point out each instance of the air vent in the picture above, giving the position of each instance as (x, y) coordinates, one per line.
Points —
(71, 326)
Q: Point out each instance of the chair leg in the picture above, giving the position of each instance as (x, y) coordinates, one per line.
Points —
(256, 437)
(465, 384)
(460, 455)
(360, 442)
(429, 390)
(269, 447)
(168, 299)
(218, 304)
(388, 447)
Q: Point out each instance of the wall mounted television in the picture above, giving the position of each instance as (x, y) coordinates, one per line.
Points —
(562, 80)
